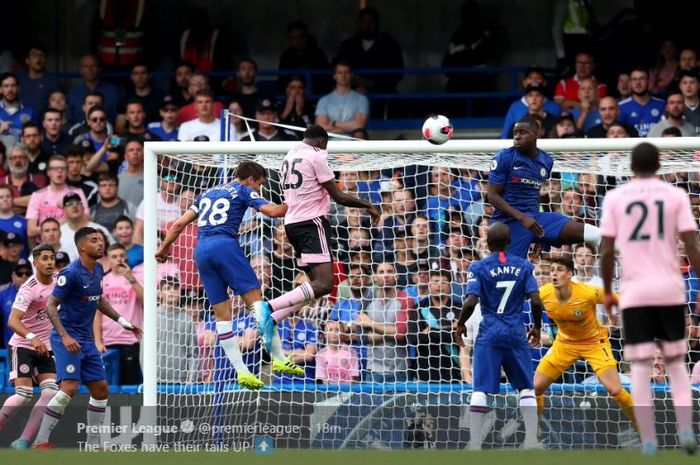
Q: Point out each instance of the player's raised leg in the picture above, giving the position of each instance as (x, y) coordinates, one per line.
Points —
(574, 233)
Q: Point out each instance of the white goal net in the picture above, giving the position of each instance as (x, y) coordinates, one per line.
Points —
(360, 390)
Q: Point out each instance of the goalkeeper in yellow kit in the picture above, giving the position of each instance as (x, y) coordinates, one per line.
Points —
(571, 306)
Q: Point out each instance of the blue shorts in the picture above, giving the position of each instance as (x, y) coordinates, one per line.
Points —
(222, 265)
(86, 366)
(521, 238)
(516, 362)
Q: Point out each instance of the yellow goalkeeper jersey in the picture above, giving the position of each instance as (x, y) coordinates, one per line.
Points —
(575, 318)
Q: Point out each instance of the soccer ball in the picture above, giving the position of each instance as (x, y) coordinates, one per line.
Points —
(437, 129)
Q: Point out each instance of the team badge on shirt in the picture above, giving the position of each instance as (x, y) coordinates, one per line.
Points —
(494, 164)
(543, 172)
(61, 281)
(70, 368)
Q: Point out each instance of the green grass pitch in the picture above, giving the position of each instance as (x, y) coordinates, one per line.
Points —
(345, 457)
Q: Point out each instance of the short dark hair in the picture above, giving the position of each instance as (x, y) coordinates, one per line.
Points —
(315, 132)
(50, 219)
(108, 176)
(645, 158)
(248, 60)
(140, 63)
(642, 69)
(7, 188)
(95, 109)
(532, 122)
(441, 272)
(134, 101)
(671, 131)
(204, 93)
(51, 110)
(565, 262)
(121, 218)
(185, 63)
(4, 76)
(169, 281)
(36, 251)
(369, 11)
(73, 150)
(39, 47)
(94, 93)
(250, 168)
(297, 25)
(84, 232)
(30, 124)
(116, 246)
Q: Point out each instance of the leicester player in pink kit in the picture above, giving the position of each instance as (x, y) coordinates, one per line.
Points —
(31, 346)
(643, 218)
(308, 184)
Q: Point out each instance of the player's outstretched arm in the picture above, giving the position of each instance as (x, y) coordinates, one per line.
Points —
(52, 312)
(537, 308)
(343, 198)
(467, 311)
(14, 322)
(173, 233)
(106, 308)
(495, 197)
(273, 211)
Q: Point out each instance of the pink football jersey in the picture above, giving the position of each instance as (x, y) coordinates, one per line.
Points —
(645, 216)
(304, 170)
(31, 299)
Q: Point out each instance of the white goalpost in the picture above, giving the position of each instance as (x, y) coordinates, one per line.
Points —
(419, 411)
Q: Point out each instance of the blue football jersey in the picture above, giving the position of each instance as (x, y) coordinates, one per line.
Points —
(502, 283)
(521, 178)
(79, 291)
(642, 117)
(221, 209)
(157, 129)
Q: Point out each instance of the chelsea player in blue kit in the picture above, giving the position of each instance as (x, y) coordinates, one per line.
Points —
(502, 282)
(78, 291)
(515, 179)
(222, 263)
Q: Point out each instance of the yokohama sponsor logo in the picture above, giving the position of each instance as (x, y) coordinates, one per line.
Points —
(532, 182)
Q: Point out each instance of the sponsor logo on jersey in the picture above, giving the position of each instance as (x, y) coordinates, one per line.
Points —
(531, 182)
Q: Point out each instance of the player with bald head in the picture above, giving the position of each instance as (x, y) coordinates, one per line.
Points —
(501, 282)
(516, 177)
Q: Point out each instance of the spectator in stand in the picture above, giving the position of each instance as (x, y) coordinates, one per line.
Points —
(55, 140)
(93, 140)
(136, 123)
(661, 77)
(688, 61)
(572, 205)
(564, 126)
(383, 325)
(10, 221)
(36, 83)
(74, 177)
(90, 72)
(74, 213)
(303, 53)
(609, 113)
(420, 232)
(675, 109)
(337, 362)
(369, 49)
(59, 101)
(343, 110)
(23, 183)
(13, 113)
(177, 340)
(20, 274)
(186, 242)
(131, 180)
(689, 85)
(47, 202)
(91, 99)
(247, 95)
(168, 198)
(189, 111)
(31, 138)
(535, 100)
(50, 233)
(140, 88)
(624, 89)
(12, 246)
(206, 123)
(239, 129)
(165, 129)
(566, 93)
(179, 88)
(586, 115)
(294, 110)
(109, 207)
(138, 224)
(641, 110)
(283, 263)
(430, 329)
(123, 233)
(265, 113)
(122, 287)
(534, 76)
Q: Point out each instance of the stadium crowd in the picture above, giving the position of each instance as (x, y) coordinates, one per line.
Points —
(74, 157)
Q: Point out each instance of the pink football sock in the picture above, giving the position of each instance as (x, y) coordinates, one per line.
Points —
(681, 394)
(641, 395)
(286, 304)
